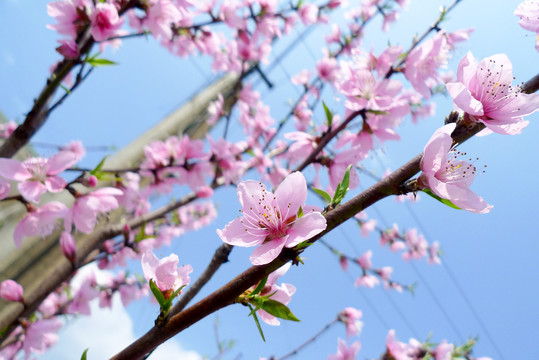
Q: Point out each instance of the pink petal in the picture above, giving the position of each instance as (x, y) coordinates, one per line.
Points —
(464, 198)
(463, 99)
(291, 194)
(55, 183)
(235, 234)
(436, 150)
(60, 162)
(467, 68)
(266, 253)
(14, 170)
(499, 65)
(249, 193)
(31, 190)
(149, 262)
(305, 228)
(507, 129)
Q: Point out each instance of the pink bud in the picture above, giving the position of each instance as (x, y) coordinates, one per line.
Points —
(68, 49)
(343, 261)
(92, 181)
(204, 192)
(365, 260)
(69, 247)
(11, 291)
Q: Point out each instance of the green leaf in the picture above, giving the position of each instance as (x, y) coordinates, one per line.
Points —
(260, 286)
(324, 195)
(141, 235)
(302, 245)
(443, 201)
(329, 114)
(95, 62)
(346, 178)
(342, 187)
(84, 354)
(279, 310)
(99, 166)
(168, 303)
(300, 212)
(157, 294)
(253, 312)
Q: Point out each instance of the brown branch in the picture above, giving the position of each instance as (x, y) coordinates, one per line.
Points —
(227, 294)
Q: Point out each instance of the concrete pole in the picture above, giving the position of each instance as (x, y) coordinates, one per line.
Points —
(37, 257)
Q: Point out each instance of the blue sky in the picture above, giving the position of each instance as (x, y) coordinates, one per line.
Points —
(492, 257)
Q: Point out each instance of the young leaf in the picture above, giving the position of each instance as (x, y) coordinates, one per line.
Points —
(329, 114)
(302, 245)
(279, 310)
(84, 354)
(300, 212)
(253, 312)
(260, 286)
(157, 293)
(346, 178)
(342, 187)
(99, 166)
(443, 201)
(95, 62)
(324, 195)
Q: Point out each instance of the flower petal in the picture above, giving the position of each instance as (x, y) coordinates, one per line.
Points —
(31, 190)
(305, 228)
(436, 150)
(266, 253)
(291, 194)
(463, 99)
(237, 234)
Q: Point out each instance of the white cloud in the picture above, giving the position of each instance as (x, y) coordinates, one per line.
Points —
(105, 333)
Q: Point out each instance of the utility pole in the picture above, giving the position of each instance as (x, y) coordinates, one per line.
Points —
(37, 257)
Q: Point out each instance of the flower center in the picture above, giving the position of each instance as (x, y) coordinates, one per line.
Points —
(38, 168)
(456, 170)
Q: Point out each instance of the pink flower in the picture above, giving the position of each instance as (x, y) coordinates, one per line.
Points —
(350, 316)
(87, 207)
(87, 291)
(447, 176)
(434, 251)
(68, 15)
(528, 11)
(282, 293)
(345, 352)
(271, 221)
(366, 280)
(11, 290)
(484, 91)
(39, 222)
(40, 335)
(165, 272)
(327, 68)
(308, 13)
(395, 348)
(423, 62)
(443, 351)
(365, 260)
(37, 175)
(105, 21)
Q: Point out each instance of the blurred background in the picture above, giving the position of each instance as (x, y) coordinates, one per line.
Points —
(487, 284)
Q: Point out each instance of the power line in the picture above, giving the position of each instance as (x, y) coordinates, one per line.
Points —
(456, 283)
